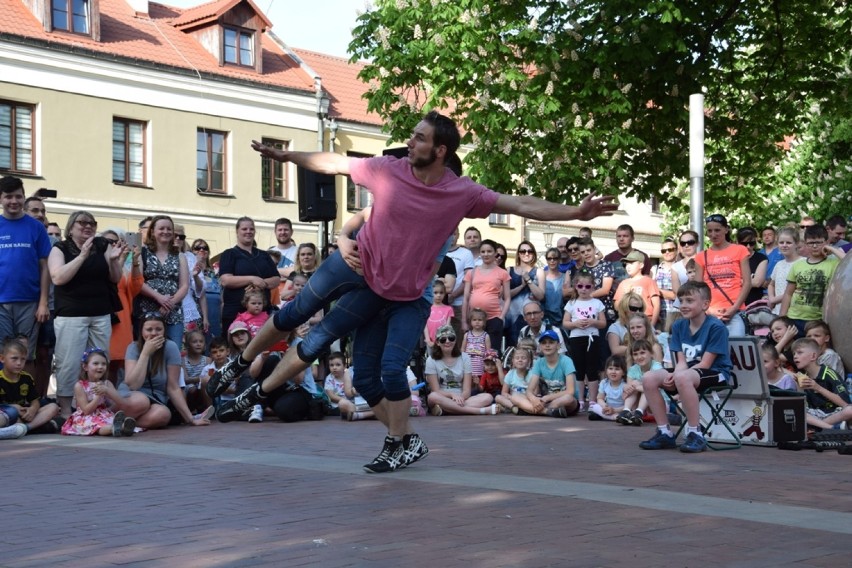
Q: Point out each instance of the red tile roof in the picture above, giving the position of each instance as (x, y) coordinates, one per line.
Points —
(211, 11)
(340, 80)
(155, 39)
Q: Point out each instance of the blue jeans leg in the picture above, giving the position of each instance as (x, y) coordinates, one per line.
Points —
(352, 310)
(382, 351)
(332, 280)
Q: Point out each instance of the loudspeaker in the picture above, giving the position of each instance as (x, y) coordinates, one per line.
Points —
(396, 152)
(317, 196)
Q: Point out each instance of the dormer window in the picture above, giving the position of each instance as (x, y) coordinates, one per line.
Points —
(71, 15)
(238, 48)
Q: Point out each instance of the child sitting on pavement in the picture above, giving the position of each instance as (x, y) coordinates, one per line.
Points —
(825, 393)
(700, 346)
(612, 401)
(819, 331)
(19, 398)
(342, 395)
(776, 375)
(491, 380)
(643, 362)
(551, 387)
(516, 383)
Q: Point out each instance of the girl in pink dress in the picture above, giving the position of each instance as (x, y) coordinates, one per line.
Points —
(94, 396)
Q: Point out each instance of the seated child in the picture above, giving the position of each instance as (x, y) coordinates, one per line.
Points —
(825, 393)
(611, 403)
(819, 331)
(513, 395)
(491, 380)
(95, 395)
(700, 345)
(19, 398)
(219, 352)
(551, 387)
(776, 375)
(643, 362)
(341, 394)
(782, 333)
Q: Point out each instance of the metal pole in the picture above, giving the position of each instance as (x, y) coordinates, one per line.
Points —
(696, 166)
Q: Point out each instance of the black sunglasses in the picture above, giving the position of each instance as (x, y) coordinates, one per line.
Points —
(635, 308)
(716, 218)
(664, 251)
(447, 339)
(687, 243)
(525, 251)
(201, 248)
(180, 237)
(748, 243)
(552, 258)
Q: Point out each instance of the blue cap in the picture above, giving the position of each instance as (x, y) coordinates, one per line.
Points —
(549, 334)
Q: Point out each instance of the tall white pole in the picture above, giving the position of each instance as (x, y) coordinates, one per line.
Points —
(696, 166)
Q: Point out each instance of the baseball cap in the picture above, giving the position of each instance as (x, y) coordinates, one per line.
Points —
(634, 256)
(549, 334)
(238, 326)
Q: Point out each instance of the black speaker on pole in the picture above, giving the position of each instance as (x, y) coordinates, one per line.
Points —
(317, 196)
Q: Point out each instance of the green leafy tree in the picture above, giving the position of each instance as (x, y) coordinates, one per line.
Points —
(562, 97)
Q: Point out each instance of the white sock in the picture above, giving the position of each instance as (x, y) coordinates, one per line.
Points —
(694, 430)
(666, 430)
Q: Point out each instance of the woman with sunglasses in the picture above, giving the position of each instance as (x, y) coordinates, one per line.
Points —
(193, 315)
(757, 263)
(127, 289)
(84, 269)
(688, 248)
(616, 335)
(724, 267)
(664, 275)
(525, 284)
(150, 392)
(448, 373)
(210, 298)
(166, 276)
(557, 286)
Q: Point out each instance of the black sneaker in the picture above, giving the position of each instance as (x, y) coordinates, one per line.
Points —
(241, 405)
(222, 379)
(389, 459)
(557, 412)
(638, 418)
(624, 417)
(413, 449)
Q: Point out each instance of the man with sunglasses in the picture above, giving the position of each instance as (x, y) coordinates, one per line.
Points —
(417, 195)
(24, 278)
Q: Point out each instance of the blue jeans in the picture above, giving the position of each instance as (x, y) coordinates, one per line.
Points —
(174, 332)
(382, 350)
(334, 280)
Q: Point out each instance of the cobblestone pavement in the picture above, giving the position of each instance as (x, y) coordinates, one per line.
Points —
(494, 491)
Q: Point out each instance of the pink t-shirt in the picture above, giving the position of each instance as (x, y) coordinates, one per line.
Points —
(487, 290)
(440, 315)
(726, 269)
(410, 222)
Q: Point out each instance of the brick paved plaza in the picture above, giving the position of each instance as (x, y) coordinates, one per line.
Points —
(494, 491)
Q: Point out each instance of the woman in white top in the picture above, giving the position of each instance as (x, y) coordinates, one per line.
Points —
(788, 244)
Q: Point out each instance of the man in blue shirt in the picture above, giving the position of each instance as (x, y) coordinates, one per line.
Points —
(24, 279)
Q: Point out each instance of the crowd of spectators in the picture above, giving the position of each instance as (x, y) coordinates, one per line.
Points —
(131, 326)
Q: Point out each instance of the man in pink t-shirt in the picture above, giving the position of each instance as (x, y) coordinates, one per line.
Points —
(417, 203)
